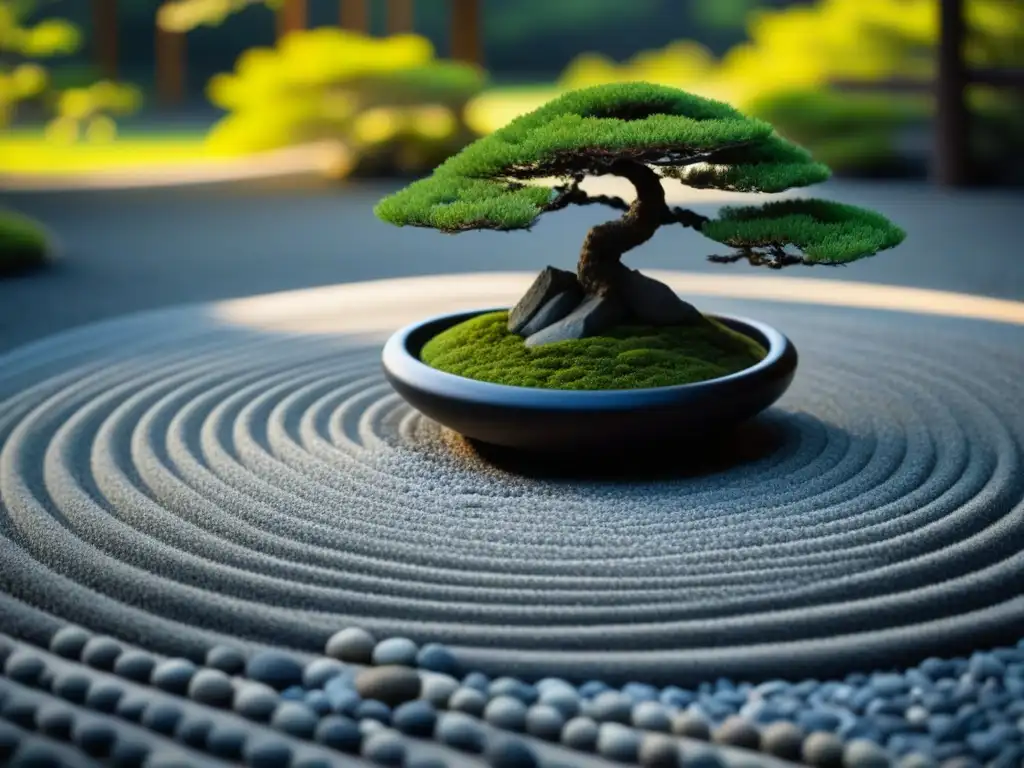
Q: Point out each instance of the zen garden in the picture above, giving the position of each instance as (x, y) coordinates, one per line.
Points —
(323, 445)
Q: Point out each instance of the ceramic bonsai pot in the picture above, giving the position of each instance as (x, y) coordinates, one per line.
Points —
(558, 420)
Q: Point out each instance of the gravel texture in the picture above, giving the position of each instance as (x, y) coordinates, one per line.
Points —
(221, 500)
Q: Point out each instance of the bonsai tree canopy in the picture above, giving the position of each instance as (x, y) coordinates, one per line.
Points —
(643, 133)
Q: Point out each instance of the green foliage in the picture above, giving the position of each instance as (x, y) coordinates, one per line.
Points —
(372, 96)
(826, 232)
(578, 133)
(23, 243)
(772, 165)
(482, 348)
(85, 110)
(846, 131)
(186, 15)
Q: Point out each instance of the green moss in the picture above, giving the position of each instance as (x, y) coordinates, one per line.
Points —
(628, 357)
(23, 243)
(826, 232)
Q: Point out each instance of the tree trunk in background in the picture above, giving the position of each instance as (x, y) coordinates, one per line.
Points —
(293, 16)
(104, 37)
(951, 121)
(170, 66)
(401, 17)
(355, 15)
(466, 34)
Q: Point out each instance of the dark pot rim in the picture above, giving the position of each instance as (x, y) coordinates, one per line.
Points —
(401, 361)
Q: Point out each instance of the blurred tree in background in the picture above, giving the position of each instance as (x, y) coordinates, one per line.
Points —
(793, 68)
(388, 102)
(85, 112)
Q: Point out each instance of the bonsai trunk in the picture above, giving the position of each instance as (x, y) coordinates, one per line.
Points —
(599, 266)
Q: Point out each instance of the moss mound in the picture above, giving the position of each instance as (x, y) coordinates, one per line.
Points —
(628, 357)
(23, 243)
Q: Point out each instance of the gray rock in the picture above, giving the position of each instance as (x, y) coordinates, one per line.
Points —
(558, 307)
(545, 722)
(783, 739)
(395, 650)
(353, 644)
(691, 725)
(823, 750)
(580, 733)
(738, 732)
(506, 712)
(438, 688)
(549, 283)
(651, 302)
(593, 316)
(617, 742)
(227, 659)
(861, 753)
(391, 684)
(211, 687)
(659, 751)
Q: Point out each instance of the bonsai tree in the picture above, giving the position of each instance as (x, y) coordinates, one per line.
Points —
(642, 133)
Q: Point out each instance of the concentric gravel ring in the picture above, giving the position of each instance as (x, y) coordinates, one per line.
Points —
(239, 470)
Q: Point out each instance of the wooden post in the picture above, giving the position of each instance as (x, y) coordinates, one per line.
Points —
(104, 37)
(952, 149)
(293, 16)
(355, 15)
(401, 16)
(466, 33)
(170, 66)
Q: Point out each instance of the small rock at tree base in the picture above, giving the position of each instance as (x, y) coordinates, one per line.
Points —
(352, 644)
(782, 739)
(395, 650)
(391, 684)
(593, 316)
(658, 751)
(559, 306)
(651, 302)
(549, 283)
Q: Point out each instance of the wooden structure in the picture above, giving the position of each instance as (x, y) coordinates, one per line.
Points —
(952, 160)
